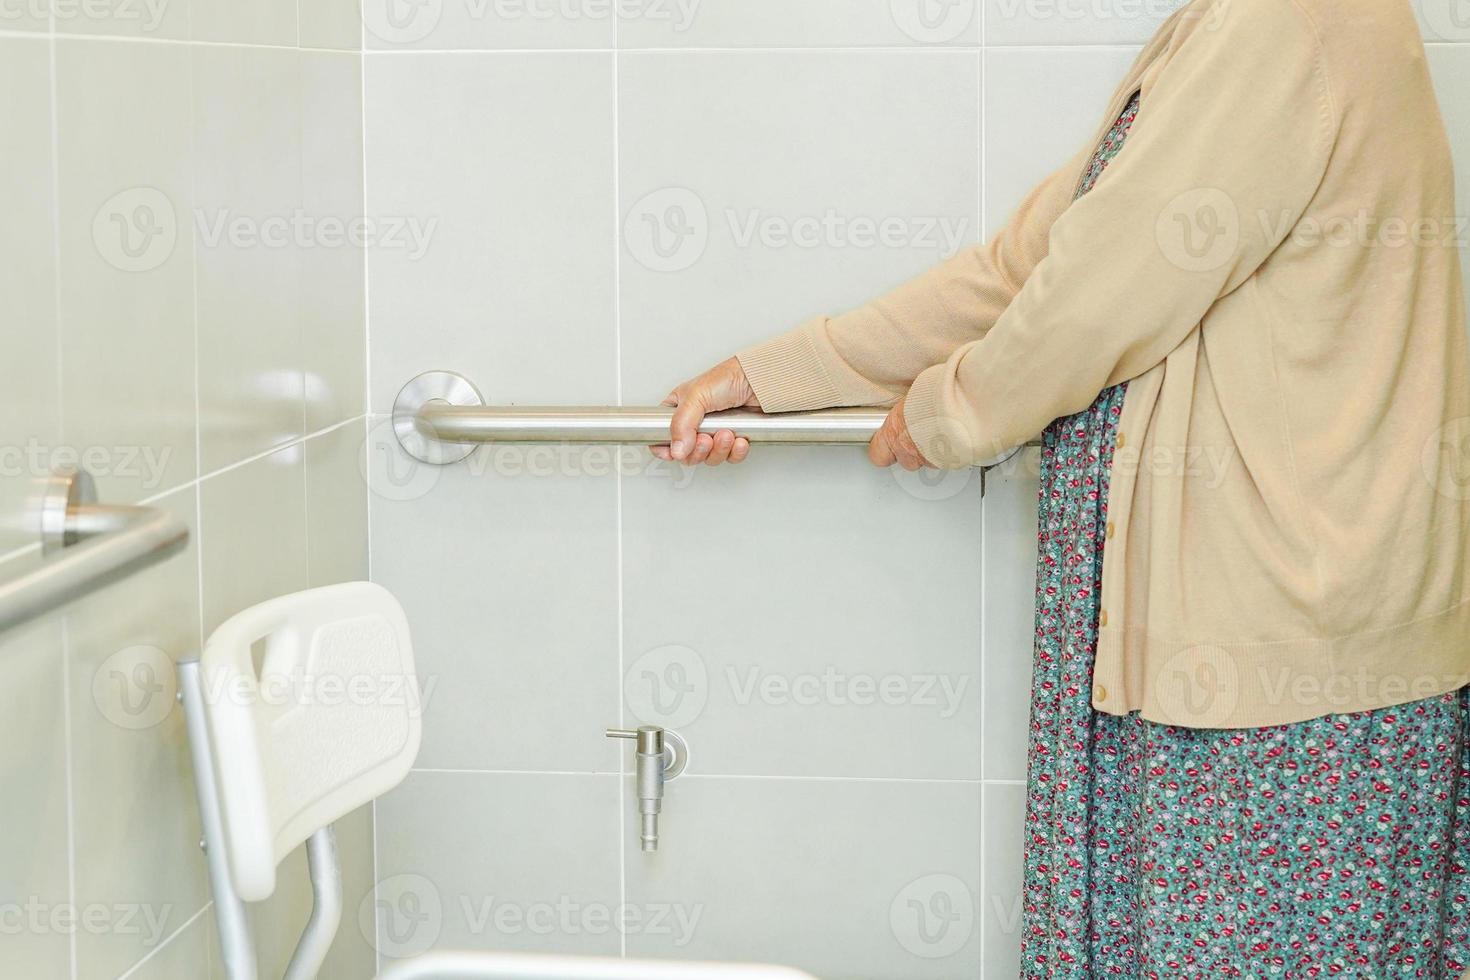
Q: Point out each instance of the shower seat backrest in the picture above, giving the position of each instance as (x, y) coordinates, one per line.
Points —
(313, 711)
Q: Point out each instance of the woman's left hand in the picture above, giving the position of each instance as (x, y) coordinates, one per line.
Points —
(892, 444)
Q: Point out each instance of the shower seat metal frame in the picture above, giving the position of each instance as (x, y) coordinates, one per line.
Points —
(237, 945)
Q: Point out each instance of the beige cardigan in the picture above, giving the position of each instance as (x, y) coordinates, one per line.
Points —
(1271, 262)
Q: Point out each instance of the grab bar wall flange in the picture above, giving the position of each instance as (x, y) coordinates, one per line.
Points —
(85, 546)
(432, 388)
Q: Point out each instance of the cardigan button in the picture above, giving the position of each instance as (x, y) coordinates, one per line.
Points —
(1102, 618)
(1099, 693)
(1122, 440)
(1111, 529)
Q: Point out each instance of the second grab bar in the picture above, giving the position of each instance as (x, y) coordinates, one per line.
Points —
(91, 545)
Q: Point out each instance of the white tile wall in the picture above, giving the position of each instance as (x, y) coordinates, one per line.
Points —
(502, 271)
(783, 167)
(810, 23)
(613, 220)
(1069, 22)
(27, 279)
(516, 861)
(124, 332)
(584, 209)
(843, 878)
(126, 299)
(507, 567)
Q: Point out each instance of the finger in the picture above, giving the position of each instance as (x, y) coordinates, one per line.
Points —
(880, 454)
(907, 447)
(703, 443)
(685, 426)
(672, 399)
(740, 450)
(661, 452)
(720, 451)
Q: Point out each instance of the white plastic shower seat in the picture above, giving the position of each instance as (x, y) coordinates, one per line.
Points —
(300, 710)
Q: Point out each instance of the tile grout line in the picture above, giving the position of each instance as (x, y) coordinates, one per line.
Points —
(130, 971)
(68, 749)
(198, 486)
(617, 184)
(980, 235)
(711, 49)
(773, 777)
(295, 442)
(367, 424)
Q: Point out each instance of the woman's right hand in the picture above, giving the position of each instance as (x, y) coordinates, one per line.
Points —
(722, 386)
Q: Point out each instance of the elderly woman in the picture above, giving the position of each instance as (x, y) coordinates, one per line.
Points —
(1249, 751)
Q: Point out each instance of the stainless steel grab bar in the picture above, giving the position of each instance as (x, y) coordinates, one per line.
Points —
(439, 417)
(88, 546)
(447, 423)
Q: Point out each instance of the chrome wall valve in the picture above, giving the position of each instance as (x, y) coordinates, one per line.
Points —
(661, 755)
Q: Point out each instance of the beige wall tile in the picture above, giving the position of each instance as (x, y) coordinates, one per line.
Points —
(247, 146)
(30, 419)
(253, 534)
(137, 820)
(127, 273)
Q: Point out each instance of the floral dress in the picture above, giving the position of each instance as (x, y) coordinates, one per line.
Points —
(1335, 847)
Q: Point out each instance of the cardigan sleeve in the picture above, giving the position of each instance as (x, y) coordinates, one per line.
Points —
(1228, 149)
(871, 355)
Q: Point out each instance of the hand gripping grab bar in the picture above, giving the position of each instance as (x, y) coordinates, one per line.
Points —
(439, 417)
